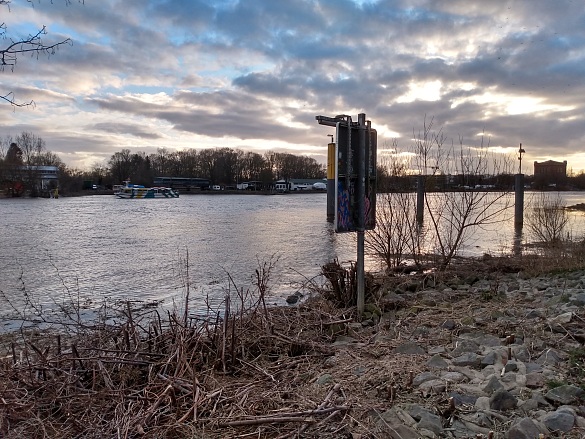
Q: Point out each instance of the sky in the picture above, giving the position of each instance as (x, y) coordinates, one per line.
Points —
(254, 74)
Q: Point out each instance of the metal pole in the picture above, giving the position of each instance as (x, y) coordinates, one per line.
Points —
(361, 197)
(331, 163)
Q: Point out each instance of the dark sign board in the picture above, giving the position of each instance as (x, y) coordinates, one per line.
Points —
(356, 146)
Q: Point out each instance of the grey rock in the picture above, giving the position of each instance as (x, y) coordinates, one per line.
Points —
(533, 367)
(503, 400)
(294, 298)
(463, 346)
(436, 350)
(390, 424)
(534, 314)
(430, 422)
(567, 394)
(520, 353)
(415, 411)
(524, 429)
(511, 366)
(550, 357)
(453, 377)
(492, 385)
(482, 403)
(467, 359)
(561, 319)
(422, 377)
(433, 387)
(578, 299)
(559, 421)
(489, 359)
(534, 380)
(463, 399)
(401, 432)
(409, 348)
(487, 340)
(449, 325)
(437, 362)
(324, 379)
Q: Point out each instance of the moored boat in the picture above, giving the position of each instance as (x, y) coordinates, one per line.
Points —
(128, 190)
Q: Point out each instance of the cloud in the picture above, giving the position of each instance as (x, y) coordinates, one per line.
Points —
(255, 73)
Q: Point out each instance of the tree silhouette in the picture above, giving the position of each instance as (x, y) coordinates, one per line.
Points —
(33, 44)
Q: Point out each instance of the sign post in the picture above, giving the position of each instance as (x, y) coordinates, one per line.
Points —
(355, 184)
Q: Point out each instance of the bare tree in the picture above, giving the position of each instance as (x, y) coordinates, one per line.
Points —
(547, 219)
(455, 211)
(33, 44)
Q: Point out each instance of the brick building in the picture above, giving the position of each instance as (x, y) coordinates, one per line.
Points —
(550, 168)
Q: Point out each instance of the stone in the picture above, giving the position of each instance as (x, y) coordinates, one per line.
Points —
(567, 394)
(326, 378)
(520, 353)
(534, 380)
(524, 429)
(436, 350)
(561, 319)
(463, 346)
(533, 367)
(482, 403)
(463, 399)
(437, 362)
(492, 385)
(430, 422)
(511, 366)
(401, 432)
(489, 359)
(449, 325)
(559, 421)
(453, 377)
(503, 400)
(534, 314)
(422, 377)
(294, 298)
(550, 357)
(487, 340)
(433, 387)
(409, 348)
(467, 359)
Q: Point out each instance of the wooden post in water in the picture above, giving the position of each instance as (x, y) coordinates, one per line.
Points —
(519, 193)
(420, 198)
(331, 157)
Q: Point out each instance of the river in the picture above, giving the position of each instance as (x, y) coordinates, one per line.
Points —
(93, 249)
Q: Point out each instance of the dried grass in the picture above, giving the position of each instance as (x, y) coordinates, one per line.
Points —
(254, 371)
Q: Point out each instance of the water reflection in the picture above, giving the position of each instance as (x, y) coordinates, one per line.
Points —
(100, 248)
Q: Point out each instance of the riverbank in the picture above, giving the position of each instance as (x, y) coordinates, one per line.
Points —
(486, 349)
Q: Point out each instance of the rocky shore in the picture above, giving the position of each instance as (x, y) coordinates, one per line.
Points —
(469, 355)
(500, 357)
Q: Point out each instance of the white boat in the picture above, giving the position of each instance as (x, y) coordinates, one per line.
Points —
(129, 190)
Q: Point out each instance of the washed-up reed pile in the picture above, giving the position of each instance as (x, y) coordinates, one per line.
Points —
(172, 376)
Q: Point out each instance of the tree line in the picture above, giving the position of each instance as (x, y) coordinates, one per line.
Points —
(223, 166)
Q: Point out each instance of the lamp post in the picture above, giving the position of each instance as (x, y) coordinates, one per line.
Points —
(520, 152)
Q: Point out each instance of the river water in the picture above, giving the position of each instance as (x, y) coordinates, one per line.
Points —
(99, 248)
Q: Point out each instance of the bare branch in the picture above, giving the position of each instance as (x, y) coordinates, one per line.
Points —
(33, 44)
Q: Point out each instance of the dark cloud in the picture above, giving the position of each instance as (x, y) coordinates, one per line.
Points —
(260, 70)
